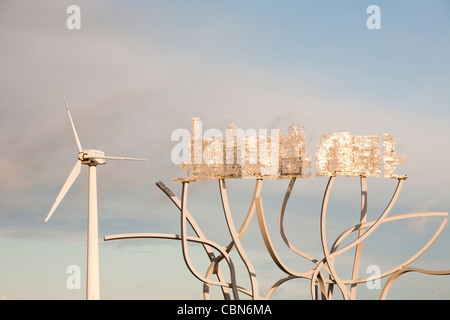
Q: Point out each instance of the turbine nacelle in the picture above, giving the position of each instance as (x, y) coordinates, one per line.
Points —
(92, 157)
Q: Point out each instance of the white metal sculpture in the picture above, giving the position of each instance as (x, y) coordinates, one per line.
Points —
(338, 154)
(91, 158)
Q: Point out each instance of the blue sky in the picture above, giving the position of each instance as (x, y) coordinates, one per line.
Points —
(138, 70)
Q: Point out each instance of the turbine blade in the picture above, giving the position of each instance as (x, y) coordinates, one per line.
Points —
(70, 180)
(73, 126)
(114, 158)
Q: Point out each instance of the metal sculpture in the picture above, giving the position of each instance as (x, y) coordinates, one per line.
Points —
(338, 154)
(314, 275)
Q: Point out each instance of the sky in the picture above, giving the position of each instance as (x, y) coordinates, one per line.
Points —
(138, 70)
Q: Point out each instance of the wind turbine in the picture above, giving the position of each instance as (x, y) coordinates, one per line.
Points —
(91, 158)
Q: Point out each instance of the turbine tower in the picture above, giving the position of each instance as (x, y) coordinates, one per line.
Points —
(91, 158)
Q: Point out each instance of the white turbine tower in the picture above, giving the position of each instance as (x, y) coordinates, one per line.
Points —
(91, 158)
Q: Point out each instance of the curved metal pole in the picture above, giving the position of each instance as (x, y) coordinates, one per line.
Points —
(269, 246)
(292, 274)
(241, 232)
(250, 212)
(328, 257)
(277, 284)
(200, 234)
(391, 280)
(317, 277)
(214, 267)
(358, 251)
(377, 222)
(209, 273)
(356, 227)
(281, 223)
(389, 219)
(414, 257)
(236, 240)
(184, 243)
(248, 217)
(187, 238)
